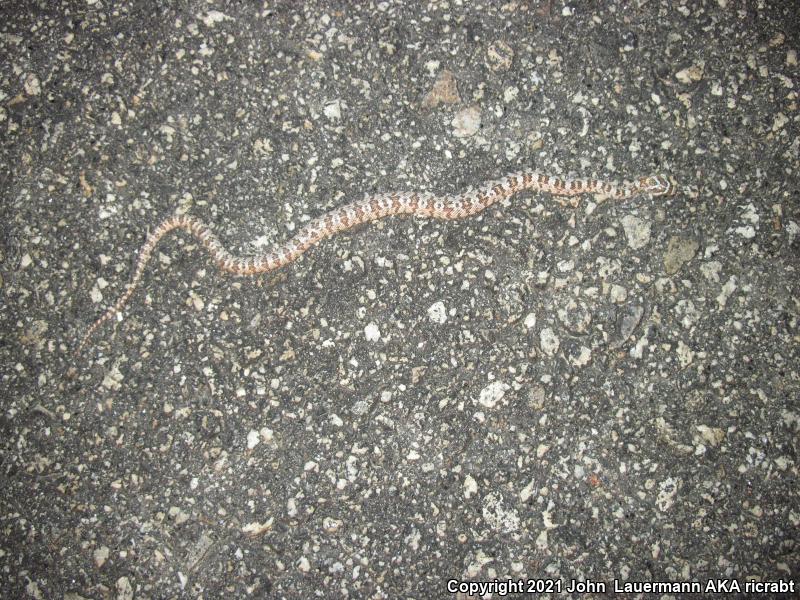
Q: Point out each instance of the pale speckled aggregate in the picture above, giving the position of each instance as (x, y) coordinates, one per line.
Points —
(379, 206)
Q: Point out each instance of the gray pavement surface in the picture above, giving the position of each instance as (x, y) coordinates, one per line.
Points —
(604, 394)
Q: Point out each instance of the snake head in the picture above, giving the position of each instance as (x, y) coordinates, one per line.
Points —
(658, 185)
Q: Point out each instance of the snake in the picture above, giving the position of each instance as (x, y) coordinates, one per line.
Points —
(371, 208)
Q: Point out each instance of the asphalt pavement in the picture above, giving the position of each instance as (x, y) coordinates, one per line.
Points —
(545, 400)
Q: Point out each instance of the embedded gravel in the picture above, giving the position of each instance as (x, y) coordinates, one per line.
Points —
(607, 392)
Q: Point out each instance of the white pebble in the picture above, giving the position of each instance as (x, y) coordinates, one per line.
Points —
(437, 312)
(583, 357)
(32, 85)
(470, 487)
(333, 110)
(499, 516)
(637, 231)
(253, 439)
(618, 293)
(100, 556)
(549, 341)
(492, 394)
(372, 333)
(467, 122)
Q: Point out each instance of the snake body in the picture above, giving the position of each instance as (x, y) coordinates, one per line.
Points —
(371, 208)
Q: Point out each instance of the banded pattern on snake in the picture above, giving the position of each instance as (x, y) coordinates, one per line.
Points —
(371, 208)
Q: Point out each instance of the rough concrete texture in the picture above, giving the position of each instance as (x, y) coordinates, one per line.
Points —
(602, 392)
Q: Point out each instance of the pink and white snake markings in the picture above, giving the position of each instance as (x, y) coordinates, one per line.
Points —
(371, 208)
